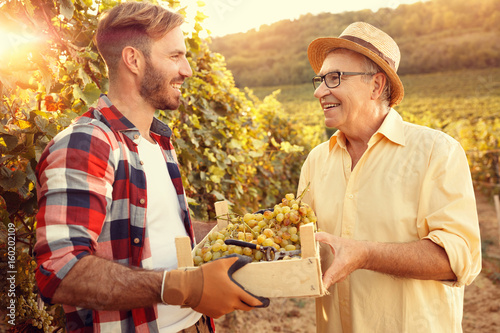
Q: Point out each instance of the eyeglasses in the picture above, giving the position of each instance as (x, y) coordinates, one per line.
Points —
(332, 79)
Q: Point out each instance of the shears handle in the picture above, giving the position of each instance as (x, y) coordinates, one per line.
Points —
(241, 243)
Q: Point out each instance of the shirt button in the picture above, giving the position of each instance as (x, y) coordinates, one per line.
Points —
(136, 240)
(136, 136)
(142, 162)
(142, 201)
(350, 196)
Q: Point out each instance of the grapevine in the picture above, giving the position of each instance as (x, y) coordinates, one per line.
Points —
(31, 311)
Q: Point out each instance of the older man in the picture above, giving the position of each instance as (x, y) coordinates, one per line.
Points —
(111, 198)
(395, 200)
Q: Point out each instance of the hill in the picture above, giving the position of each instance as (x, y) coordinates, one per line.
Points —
(437, 35)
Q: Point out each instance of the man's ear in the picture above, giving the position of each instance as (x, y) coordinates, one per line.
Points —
(378, 84)
(133, 59)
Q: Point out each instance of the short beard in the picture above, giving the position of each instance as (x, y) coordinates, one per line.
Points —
(154, 89)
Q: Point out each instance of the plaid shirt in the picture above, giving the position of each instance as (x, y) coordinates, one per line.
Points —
(92, 200)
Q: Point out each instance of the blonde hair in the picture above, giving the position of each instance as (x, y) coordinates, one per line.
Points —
(135, 24)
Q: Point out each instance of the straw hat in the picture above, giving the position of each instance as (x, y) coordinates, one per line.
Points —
(370, 42)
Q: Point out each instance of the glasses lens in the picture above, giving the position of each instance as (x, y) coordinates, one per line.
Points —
(316, 81)
(332, 80)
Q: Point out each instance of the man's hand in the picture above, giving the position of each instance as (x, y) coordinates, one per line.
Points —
(349, 255)
(210, 289)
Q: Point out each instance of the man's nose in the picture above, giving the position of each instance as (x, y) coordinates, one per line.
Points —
(185, 69)
(321, 91)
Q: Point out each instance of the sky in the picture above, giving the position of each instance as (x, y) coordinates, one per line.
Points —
(233, 16)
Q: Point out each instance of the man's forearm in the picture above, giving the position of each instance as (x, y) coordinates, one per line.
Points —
(422, 260)
(100, 284)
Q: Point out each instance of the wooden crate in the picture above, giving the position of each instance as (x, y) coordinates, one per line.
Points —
(283, 278)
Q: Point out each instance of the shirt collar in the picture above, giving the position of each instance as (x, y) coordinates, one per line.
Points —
(392, 128)
(119, 122)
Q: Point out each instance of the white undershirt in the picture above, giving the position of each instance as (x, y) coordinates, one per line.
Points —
(164, 223)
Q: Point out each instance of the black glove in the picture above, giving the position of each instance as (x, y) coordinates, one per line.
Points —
(263, 210)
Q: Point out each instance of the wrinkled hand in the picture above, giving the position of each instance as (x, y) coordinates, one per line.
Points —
(349, 255)
(210, 289)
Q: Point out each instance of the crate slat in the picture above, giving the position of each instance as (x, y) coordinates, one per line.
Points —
(183, 247)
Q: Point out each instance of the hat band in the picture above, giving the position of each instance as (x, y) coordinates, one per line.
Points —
(372, 48)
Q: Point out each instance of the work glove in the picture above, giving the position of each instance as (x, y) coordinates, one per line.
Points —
(211, 289)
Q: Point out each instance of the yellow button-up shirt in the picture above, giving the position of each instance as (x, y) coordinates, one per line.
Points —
(411, 183)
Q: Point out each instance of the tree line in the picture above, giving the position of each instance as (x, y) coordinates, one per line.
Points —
(433, 36)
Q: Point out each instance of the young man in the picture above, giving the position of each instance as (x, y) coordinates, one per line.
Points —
(111, 200)
(395, 199)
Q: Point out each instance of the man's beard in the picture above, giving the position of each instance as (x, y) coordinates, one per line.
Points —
(154, 89)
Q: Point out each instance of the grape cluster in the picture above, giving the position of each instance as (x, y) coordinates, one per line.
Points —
(31, 309)
(279, 228)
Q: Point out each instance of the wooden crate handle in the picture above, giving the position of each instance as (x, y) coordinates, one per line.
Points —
(221, 209)
(183, 248)
(307, 241)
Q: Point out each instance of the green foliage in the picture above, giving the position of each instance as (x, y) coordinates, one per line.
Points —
(45, 84)
(435, 35)
(465, 105)
(230, 144)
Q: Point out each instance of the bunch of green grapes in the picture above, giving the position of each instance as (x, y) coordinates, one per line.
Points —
(279, 228)
(30, 309)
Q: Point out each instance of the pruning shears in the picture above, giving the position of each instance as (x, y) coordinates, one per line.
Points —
(270, 253)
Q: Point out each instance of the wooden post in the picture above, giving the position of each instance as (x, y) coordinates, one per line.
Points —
(497, 208)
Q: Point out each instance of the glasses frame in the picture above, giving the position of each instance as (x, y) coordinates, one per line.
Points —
(322, 77)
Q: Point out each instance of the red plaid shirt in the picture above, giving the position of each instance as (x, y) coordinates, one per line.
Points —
(92, 200)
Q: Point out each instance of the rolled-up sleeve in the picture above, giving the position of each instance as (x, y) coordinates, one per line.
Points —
(74, 188)
(451, 219)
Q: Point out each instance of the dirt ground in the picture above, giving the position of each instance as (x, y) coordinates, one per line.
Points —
(297, 315)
